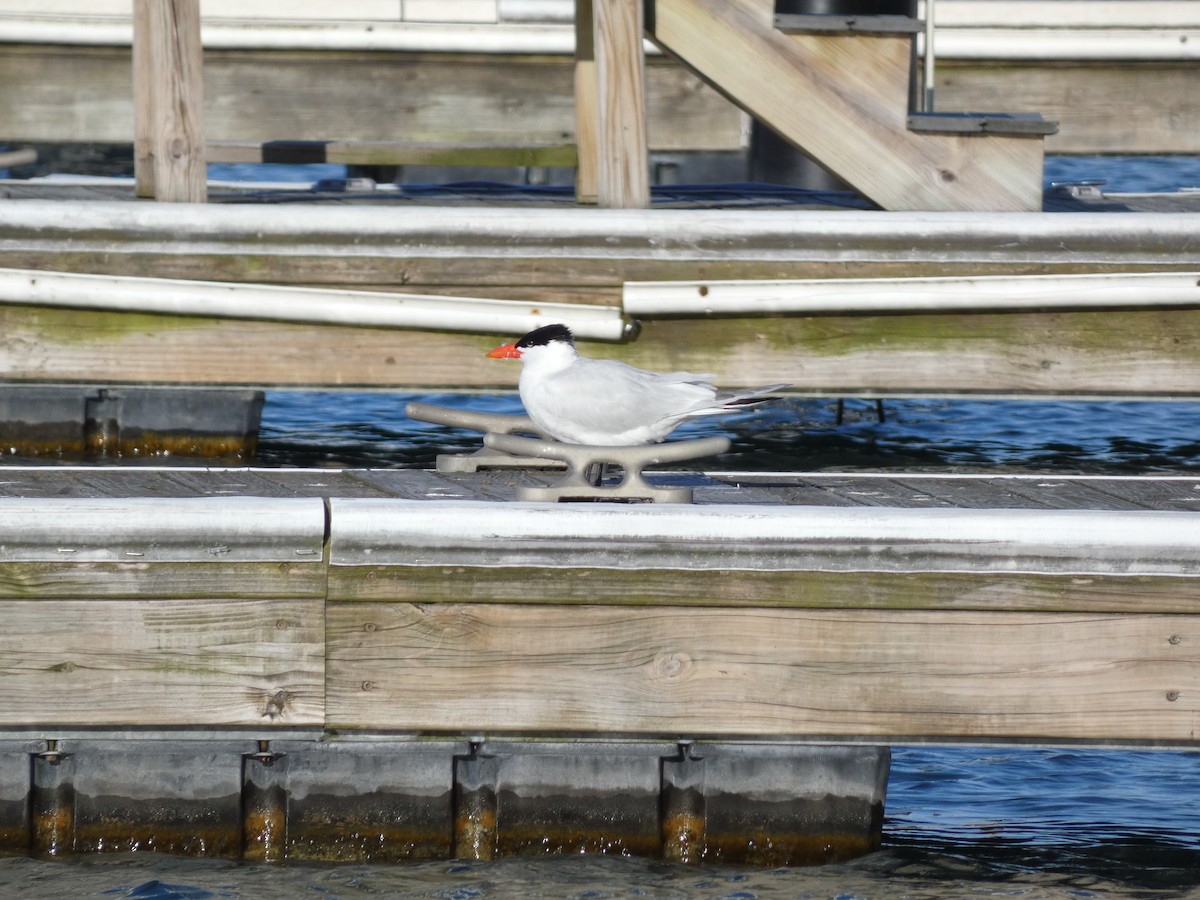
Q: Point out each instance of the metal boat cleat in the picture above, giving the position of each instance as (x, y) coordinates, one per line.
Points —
(489, 423)
(580, 459)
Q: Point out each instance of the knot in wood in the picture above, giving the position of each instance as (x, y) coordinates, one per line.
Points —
(277, 704)
(671, 665)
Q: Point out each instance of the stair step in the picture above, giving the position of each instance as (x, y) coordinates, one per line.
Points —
(801, 23)
(980, 123)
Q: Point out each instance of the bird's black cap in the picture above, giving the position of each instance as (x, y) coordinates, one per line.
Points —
(541, 336)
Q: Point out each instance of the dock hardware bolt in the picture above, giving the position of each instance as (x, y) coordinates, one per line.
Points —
(52, 754)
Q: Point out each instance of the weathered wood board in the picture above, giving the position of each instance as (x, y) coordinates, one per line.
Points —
(162, 663)
(622, 163)
(1050, 354)
(168, 94)
(818, 673)
(83, 94)
(646, 588)
(1115, 107)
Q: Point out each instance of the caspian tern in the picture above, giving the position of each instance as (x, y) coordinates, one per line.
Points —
(604, 402)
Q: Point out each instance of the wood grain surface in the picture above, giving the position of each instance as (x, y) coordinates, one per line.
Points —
(913, 675)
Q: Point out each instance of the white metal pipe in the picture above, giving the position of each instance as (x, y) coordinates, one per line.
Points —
(900, 295)
(287, 304)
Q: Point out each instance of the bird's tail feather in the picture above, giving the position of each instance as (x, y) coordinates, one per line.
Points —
(738, 399)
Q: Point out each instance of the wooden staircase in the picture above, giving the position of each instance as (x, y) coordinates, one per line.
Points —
(838, 88)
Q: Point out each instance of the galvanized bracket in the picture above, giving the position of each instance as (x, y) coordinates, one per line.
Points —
(582, 459)
(490, 423)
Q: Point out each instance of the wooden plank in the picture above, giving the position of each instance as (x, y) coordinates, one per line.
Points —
(1111, 353)
(948, 675)
(587, 113)
(1100, 107)
(798, 85)
(622, 165)
(48, 581)
(998, 592)
(146, 113)
(169, 100)
(82, 94)
(1108, 353)
(182, 663)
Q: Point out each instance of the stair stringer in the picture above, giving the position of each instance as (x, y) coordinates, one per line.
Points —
(844, 100)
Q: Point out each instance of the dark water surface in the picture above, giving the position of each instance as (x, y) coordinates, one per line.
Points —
(961, 822)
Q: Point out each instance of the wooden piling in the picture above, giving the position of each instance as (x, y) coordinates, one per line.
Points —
(168, 90)
(586, 112)
(622, 170)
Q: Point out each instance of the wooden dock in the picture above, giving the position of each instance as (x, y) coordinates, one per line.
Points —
(542, 249)
(398, 664)
(537, 255)
(804, 607)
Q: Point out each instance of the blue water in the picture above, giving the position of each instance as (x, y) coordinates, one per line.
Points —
(961, 822)
(1092, 437)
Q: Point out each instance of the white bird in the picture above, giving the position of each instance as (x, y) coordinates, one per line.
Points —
(604, 402)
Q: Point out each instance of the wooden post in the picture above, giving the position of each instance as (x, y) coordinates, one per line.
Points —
(622, 172)
(587, 117)
(168, 93)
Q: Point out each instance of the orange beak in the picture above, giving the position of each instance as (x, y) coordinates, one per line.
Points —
(505, 351)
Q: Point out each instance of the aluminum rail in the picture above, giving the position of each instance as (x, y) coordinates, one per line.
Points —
(156, 529)
(797, 538)
(899, 295)
(683, 234)
(368, 309)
